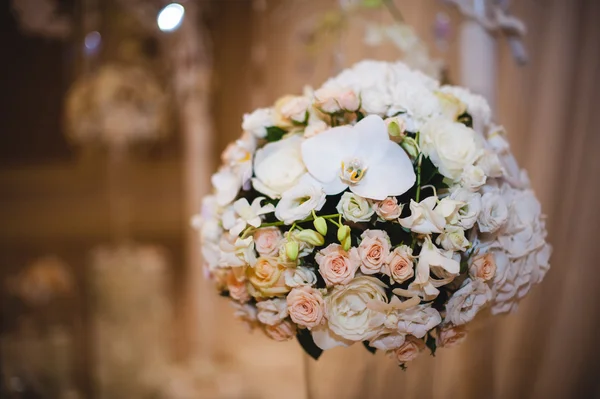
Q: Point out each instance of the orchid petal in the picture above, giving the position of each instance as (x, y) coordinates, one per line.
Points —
(323, 154)
(334, 187)
(391, 175)
(371, 132)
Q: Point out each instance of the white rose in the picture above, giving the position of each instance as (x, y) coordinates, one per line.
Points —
(258, 121)
(451, 146)
(354, 208)
(494, 212)
(298, 202)
(418, 320)
(453, 239)
(350, 319)
(465, 303)
(278, 166)
(299, 276)
(473, 177)
(477, 105)
(468, 213)
(272, 311)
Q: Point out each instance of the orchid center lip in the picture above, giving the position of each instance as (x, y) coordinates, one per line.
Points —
(353, 171)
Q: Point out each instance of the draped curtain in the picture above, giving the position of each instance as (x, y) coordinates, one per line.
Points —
(549, 348)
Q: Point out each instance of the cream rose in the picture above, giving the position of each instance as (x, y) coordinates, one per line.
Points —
(399, 264)
(388, 209)
(331, 100)
(348, 313)
(336, 265)
(306, 306)
(278, 166)
(409, 351)
(483, 267)
(451, 146)
(272, 311)
(354, 208)
(465, 303)
(373, 250)
(494, 212)
(237, 287)
(266, 278)
(283, 331)
(448, 337)
(299, 276)
(267, 241)
(291, 109)
(473, 177)
(453, 239)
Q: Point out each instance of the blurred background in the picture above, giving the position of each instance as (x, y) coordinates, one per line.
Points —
(112, 118)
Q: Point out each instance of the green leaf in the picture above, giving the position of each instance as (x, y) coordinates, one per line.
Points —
(305, 339)
(466, 119)
(403, 367)
(431, 344)
(275, 133)
(359, 116)
(368, 347)
(428, 171)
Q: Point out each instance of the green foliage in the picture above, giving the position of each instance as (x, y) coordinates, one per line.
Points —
(431, 344)
(305, 339)
(275, 133)
(372, 3)
(466, 119)
(368, 347)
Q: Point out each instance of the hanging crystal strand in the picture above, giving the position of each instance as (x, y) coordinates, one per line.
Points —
(188, 52)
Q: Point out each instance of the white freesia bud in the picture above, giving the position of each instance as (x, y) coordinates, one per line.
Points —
(311, 237)
(410, 146)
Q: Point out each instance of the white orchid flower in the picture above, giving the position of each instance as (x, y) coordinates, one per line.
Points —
(361, 157)
(244, 214)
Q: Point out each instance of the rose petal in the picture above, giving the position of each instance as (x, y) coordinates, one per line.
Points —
(326, 339)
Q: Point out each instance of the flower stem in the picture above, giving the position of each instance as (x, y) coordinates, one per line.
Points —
(308, 219)
(418, 193)
(396, 14)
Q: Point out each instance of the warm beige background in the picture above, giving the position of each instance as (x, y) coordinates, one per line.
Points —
(550, 348)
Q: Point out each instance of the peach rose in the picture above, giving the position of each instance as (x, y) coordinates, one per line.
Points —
(388, 209)
(267, 240)
(447, 337)
(237, 288)
(266, 278)
(410, 349)
(483, 266)
(373, 250)
(399, 264)
(281, 332)
(306, 306)
(336, 265)
(331, 100)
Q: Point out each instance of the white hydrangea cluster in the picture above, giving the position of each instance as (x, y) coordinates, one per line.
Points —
(381, 208)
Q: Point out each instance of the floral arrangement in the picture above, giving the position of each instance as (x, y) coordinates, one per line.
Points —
(382, 209)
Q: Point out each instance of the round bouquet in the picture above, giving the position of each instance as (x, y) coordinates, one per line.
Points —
(381, 209)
